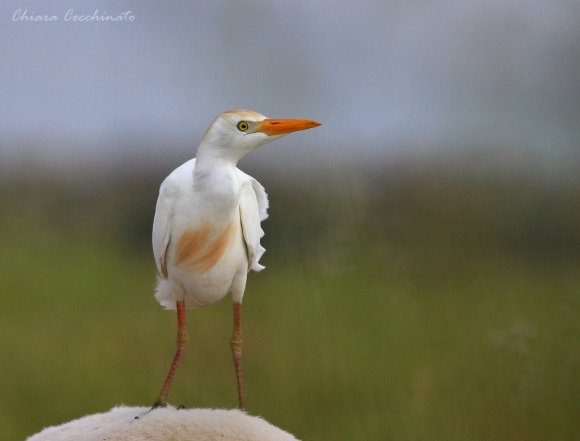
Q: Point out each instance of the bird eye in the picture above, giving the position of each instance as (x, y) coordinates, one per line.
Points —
(243, 126)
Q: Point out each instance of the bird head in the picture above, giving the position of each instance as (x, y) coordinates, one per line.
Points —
(235, 133)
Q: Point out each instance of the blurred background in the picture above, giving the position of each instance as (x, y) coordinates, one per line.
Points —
(423, 264)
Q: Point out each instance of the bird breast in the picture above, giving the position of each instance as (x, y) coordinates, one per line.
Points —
(200, 249)
(208, 226)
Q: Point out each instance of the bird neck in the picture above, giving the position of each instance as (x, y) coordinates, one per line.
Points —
(218, 153)
(213, 174)
(207, 161)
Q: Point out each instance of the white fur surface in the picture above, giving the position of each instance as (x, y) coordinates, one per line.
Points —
(165, 424)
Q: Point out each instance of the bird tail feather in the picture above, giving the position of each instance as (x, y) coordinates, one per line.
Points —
(164, 293)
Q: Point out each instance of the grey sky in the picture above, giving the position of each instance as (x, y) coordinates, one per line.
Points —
(381, 75)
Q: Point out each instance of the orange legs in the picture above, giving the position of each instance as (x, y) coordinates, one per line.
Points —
(181, 342)
(237, 343)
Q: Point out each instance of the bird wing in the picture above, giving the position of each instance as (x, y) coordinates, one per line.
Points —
(161, 231)
(253, 209)
(164, 212)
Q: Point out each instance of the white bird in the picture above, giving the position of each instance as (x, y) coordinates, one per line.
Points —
(206, 230)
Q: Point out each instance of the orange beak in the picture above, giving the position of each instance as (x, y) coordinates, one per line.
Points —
(281, 126)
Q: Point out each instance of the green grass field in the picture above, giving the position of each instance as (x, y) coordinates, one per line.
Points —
(431, 308)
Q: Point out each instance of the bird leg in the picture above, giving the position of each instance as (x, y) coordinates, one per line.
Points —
(181, 342)
(237, 343)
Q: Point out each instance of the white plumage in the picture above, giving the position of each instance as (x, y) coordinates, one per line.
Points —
(233, 200)
(207, 225)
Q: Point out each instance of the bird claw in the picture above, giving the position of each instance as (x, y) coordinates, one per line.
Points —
(182, 407)
(156, 405)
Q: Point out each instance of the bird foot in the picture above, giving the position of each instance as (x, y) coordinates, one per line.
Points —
(156, 405)
(182, 407)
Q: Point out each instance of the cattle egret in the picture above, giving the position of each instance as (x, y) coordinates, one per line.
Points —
(206, 230)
